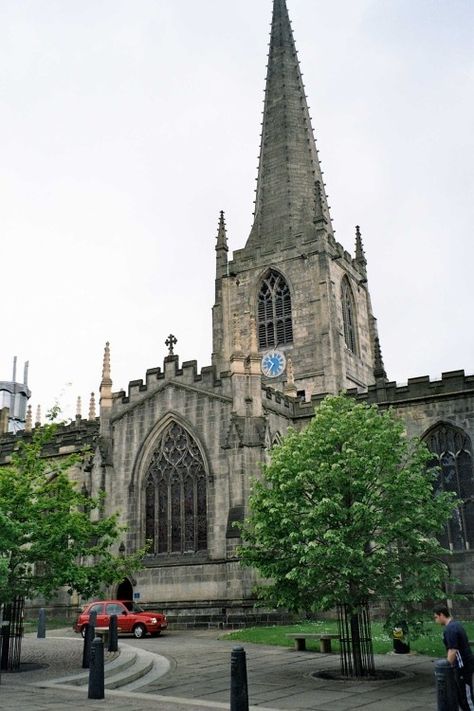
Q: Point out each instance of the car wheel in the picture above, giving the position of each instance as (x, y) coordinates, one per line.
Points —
(139, 631)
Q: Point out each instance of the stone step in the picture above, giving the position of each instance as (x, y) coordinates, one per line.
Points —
(126, 666)
(159, 667)
(142, 665)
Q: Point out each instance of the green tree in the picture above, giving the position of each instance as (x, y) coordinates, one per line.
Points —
(51, 533)
(346, 514)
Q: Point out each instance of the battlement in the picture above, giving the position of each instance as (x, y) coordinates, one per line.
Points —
(453, 383)
(73, 438)
(344, 258)
(187, 374)
(276, 397)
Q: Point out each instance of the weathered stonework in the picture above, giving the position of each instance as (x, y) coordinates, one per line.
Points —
(229, 411)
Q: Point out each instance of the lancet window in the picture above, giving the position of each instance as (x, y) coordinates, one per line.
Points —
(274, 318)
(348, 315)
(452, 453)
(175, 495)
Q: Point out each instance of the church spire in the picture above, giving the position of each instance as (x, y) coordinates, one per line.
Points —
(379, 368)
(359, 249)
(221, 248)
(105, 389)
(290, 191)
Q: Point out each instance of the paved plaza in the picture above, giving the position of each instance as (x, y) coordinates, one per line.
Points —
(192, 672)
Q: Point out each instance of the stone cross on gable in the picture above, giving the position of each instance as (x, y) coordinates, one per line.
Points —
(171, 341)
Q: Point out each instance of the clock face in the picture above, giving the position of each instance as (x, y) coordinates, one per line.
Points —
(273, 363)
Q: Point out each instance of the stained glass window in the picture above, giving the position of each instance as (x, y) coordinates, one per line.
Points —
(175, 495)
(274, 320)
(452, 452)
(348, 315)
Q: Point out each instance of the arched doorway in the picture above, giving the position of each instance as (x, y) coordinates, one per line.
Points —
(125, 590)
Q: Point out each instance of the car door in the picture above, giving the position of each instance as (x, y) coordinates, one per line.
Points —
(124, 621)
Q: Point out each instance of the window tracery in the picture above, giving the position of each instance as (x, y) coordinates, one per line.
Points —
(175, 495)
(274, 317)
(452, 452)
(349, 315)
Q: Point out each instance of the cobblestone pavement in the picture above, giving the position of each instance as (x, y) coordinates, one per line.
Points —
(199, 678)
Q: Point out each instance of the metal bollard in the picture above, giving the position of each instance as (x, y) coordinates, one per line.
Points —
(445, 686)
(239, 698)
(113, 634)
(96, 671)
(41, 624)
(5, 645)
(88, 639)
(86, 649)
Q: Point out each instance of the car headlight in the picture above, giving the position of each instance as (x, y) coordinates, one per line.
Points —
(154, 621)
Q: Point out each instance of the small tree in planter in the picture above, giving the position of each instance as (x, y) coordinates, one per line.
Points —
(52, 534)
(346, 514)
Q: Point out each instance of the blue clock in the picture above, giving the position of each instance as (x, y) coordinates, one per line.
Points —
(273, 363)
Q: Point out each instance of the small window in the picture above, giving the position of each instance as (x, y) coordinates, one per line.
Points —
(114, 609)
(99, 608)
(348, 315)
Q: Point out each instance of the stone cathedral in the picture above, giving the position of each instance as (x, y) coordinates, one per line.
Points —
(292, 322)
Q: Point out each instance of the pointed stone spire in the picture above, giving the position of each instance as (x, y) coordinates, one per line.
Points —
(222, 247)
(78, 409)
(359, 249)
(105, 390)
(92, 414)
(379, 369)
(29, 419)
(38, 416)
(290, 193)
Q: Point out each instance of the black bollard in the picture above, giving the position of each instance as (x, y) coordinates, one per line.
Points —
(445, 686)
(86, 649)
(41, 624)
(5, 645)
(113, 634)
(88, 639)
(96, 670)
(239, 698)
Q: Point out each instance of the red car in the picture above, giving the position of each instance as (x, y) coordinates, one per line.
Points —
(131, 618)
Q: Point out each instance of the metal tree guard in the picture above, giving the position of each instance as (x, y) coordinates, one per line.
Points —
(12, 633)
(357, 654)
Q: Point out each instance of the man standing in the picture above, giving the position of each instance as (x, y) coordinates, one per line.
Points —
(459, 655)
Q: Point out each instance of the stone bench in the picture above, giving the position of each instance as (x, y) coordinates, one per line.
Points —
(104, 632)
(324, 640)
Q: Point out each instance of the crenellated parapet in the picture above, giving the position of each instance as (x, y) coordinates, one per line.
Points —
(453, 384)
(77, 437)
(186, 375)
(347, 261)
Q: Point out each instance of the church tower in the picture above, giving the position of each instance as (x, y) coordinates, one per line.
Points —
(302, 292)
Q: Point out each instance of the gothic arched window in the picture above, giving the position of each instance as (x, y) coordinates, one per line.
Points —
(348, 315)
(274, 312)
(175, 495)
(452, 452)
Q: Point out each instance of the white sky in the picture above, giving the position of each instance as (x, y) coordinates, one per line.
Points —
(126, 125)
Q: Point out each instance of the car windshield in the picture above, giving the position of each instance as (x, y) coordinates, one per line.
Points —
(133, 607)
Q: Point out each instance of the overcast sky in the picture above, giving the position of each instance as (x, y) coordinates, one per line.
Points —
(125, 126)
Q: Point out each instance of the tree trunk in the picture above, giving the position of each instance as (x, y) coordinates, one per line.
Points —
(357, 658)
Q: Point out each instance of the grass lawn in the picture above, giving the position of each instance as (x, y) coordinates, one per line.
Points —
(51, 624)
(430, 644)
